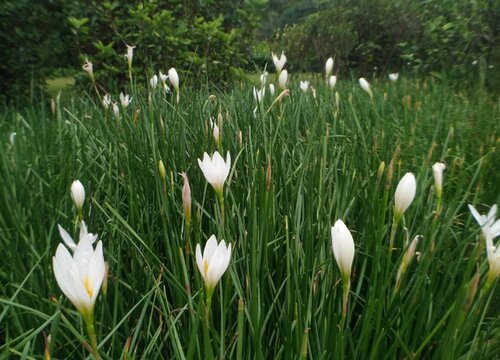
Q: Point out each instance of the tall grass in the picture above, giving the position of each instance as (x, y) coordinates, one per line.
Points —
(298, 166)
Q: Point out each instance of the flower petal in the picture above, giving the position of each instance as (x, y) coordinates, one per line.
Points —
(68, 240)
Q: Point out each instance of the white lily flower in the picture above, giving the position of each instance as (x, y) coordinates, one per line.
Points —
(272, 90)
(125, 100)
(393, 77)
(163, 77)
(129, 55)
(304, 86)
(282, 79)
(174, 78)
(116, 109)
(106, 101)
(328, 67)
(89, 68)
(365, 86)
(153, 81)
(263, 79)
(332, 81)
(279, 62)
(258, 95)
(78, 194)
(213, 263)
(215, 170)
(405, 193)
(343, 248)
(437, 172)
(80, 276)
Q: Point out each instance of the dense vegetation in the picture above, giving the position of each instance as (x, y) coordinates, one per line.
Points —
(298, 165)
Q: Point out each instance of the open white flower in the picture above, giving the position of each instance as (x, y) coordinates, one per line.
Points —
(89, 68)
(405, 193)
(258, 95)
(84, 236)
(279, 62)
(106, 101)
(343, 248)
(328, 67)
(125, 100)
(78, 194)
(129, 55)
(393, 77)
(304, 86)
(215, 170)
(213, 263)
(80, 276)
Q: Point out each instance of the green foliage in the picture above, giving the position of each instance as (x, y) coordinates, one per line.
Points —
(281, 297)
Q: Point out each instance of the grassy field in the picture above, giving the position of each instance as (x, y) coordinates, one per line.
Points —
(298, 165)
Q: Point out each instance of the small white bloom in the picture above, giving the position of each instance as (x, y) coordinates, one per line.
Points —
(263, 79)
(405, 193)
(489, 227)
(258, 95)
(129, 55)
(214, 261)
(215, 131)
(174, 78)
(186, 197)
(332, 81)
(89, 68)
(279, 62)
(437, 172)
(78, 194)
(365, 85)
(328, 67)
(163, 76)
(153, 81)
(116, 109)
(215, 170)
(80, 276)
(393, 77)
(304, 86)
(282, 79)
(106, 101)
(272, 90)
(125, 100)
(343, 248)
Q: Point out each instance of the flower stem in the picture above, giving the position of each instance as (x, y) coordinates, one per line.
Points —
(345, 301)
(93, 337)
(206, 327)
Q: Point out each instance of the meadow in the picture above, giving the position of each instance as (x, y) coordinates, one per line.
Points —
(299, 163)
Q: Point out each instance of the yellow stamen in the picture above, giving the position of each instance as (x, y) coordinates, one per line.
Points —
(88, 286)
(205, 267)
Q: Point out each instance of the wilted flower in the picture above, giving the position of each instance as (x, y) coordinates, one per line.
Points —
(78, 194)
(258, 95)
(153, 81)
(263, 78)
(393, 77)
(405, 193)
(215, 170)
(125, 100)
(332, 81)
(89, 68)
(407, 258)
(272, 90)
(213, 263)
(365, 86)
(106, 101)
(437, 171)
(174, 78)
(304, 86)
(279, 63)
(282, 79)
(328, 67)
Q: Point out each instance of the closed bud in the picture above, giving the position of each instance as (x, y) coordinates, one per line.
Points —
(162, 171)
(405, 193)
(186, 198)
(78, 194)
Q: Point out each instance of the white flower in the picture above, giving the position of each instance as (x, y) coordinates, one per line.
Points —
(304, 85)
(89, 68)
(84, 236)
(106, 101)
(129, 55)
(263, 79)
(272, 90)
(215, 131)
(163, 76)
(282, 79)
(186, 197)
(329, 66)
(490, 229)
(393, 77)
(343, 248)
(365, 85)
(332, 81)
(214, 261)
(12, 137)
(279, 63)
(166, 89)
(80, 276)
(125, 100)
(174, 78)
(437, 172)
(215, 170)
(116, 109)
(405, 193)
(78, 194)
(258, 95)
(153, 81)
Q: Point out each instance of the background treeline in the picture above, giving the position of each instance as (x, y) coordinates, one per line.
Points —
(212, 41)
